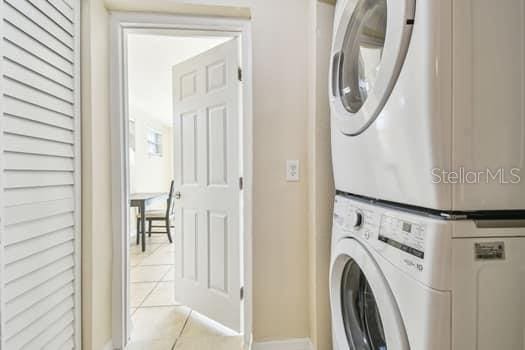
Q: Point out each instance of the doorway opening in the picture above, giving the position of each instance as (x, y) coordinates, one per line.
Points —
(181, 174)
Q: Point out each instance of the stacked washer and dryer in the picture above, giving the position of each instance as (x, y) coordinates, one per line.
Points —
(428, 147)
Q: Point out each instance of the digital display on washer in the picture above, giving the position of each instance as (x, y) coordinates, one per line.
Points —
(412, 251)
(403, 235)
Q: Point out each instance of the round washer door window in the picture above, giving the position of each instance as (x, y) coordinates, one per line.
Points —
(361, 317)
(365, 315)
(369, 49)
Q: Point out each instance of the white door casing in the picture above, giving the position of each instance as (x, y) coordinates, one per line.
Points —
(207, 161)
(40, 175)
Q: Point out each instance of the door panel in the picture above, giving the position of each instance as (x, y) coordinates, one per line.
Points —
(189, 147)
(218, 259)
(189, 236)
(217, 146)
(207, 171)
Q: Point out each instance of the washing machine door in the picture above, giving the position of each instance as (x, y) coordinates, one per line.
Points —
(369, 49)
(365, 315)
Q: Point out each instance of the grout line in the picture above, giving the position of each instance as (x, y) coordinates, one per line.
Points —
(147, 295)
(165, 274)
(157, 283)
(182, 329)
(154, 306)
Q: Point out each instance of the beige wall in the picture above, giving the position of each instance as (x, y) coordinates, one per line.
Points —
(321, 185)
(286, 286)
(150, 173)
(96, 183)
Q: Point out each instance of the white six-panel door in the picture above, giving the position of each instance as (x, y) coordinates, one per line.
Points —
(207, 171)
(40, 174)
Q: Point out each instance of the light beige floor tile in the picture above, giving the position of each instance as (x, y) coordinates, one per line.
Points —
(209, 343)
(132, 310)
(148, 273)
(163, 344)
(134, 260)
(167, 247)
(158, 323)
(151, 248)
(160, 257)
(162, 295)
(160, 238)
(199, 326)
(170, 275)
(139, 291)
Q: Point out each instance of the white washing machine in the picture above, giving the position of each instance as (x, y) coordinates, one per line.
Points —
(402, 281)
(427, 102)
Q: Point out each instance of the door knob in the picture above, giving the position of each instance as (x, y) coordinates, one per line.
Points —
(178, 195)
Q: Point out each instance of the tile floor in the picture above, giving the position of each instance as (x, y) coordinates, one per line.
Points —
(159, 321)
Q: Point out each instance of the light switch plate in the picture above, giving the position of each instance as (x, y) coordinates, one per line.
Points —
(292, 170)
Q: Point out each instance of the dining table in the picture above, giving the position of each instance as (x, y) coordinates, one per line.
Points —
(142, 201)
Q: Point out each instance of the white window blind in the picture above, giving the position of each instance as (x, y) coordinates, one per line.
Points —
(40, 174)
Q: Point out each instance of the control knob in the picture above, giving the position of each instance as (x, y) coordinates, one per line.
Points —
(356, 219)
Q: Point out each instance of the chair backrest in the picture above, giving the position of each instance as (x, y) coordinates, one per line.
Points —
(170, 203)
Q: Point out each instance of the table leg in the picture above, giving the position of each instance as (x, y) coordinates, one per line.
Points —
(137, 219)
(143, 225)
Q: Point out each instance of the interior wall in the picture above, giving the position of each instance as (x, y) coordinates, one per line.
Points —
(96, 181)
(281, 273)
(321, 179)
(150, 173)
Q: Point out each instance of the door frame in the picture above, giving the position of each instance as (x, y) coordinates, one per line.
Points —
(121, 24)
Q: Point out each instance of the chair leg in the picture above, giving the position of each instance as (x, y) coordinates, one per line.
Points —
(168, 231)
(149, 228)
(138, 231)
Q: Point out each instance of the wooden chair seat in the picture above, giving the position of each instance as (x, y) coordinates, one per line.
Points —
(155, 214)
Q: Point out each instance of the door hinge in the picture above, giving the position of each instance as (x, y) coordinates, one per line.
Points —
(242, 293)
(241, 183)
(239, 73)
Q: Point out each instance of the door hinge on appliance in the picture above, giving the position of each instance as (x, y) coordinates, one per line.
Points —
(241, 183)
(239, 73)
(242, 293)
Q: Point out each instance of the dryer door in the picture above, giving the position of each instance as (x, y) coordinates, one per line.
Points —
(369, 49)
(365, 315)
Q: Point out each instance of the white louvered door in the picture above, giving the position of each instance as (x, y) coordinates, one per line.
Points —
(40, 174)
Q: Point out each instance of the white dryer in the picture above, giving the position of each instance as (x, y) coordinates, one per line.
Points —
(427, 102)
(402, 281)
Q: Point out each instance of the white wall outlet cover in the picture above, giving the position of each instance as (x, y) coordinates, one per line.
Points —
(292, 170)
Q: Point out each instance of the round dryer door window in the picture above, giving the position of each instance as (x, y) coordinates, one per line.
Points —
(362, 53)
(369, 47)
(365, 315)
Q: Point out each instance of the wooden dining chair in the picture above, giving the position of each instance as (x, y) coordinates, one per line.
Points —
(164, 216)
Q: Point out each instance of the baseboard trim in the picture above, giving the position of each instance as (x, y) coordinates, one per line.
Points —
(287, 344)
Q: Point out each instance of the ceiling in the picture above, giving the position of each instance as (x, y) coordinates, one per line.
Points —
(150, 59)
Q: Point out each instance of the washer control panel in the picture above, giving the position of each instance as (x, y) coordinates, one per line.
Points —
(403, 235)
(419, 245)
(356, 220)
(380, 227)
